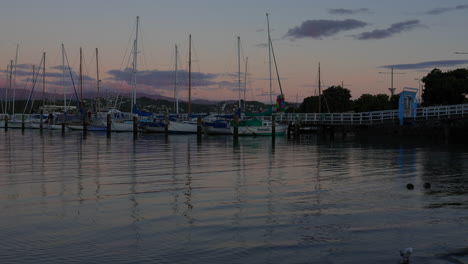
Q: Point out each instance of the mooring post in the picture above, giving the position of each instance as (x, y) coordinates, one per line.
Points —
(22, 123)
(199, 126)
(108, 125)
(41, 124)
(6, 123)
(85, 122)
(166, 125)
(236, 127)
(63, 122)
(135, 127)
(273, 128)
(297, 126)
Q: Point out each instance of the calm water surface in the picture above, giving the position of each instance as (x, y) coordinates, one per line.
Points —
(66, 199)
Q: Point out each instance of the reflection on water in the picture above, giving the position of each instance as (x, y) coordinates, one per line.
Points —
(178, 199)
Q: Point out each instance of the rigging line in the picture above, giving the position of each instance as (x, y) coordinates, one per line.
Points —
(130, 43)
(32, 88)
(143, 54)
(71, 77)
(276, 66)
(3, 106)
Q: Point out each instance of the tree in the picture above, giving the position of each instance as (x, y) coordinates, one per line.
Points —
(445, 88)
(309, 105)
(336, 99)
(368, 102)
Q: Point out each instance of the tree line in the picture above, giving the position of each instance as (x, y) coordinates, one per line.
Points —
(440, 88)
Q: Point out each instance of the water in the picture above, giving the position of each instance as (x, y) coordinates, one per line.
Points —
(175, 200)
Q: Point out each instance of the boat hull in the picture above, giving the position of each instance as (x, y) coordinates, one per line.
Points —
(183, 127)
(261, 130)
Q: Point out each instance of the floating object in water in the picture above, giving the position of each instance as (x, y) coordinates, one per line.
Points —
(409, 186)
(427, 185)
(405, 255)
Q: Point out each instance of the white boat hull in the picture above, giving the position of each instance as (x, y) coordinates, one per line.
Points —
(210, 130)
(261, 130)
(183, 127)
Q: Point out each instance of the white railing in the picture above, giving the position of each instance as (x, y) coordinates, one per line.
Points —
(445, 111)
(434, 112)
(340, 118)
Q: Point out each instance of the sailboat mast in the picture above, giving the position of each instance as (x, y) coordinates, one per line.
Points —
(135, 53)
(176, 93)
(269, 58)
(63, 80)
(238, 70)
(43, 81)
(190, 77)
(135, 62)
(98, 82)
(14, 81)
(245, 79)
(320, 90)
(81, 79)
(11, 76)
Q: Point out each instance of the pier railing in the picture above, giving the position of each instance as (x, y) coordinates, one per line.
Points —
(375, 117)
(445, 111)
(387, 116)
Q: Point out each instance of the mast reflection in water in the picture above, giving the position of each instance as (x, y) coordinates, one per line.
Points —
(70, 199)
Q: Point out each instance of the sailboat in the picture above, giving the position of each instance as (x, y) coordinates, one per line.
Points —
(221, 124)
(49, 118)
(189, 126)
(119, 122)
(122, 125)
(250, 124)
(157, 124)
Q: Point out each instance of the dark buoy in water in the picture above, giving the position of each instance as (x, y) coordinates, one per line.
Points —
(409, 186)
(427, 185)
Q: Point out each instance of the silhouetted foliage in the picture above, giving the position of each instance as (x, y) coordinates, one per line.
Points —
(368, 102)
(334, 99)
(445, 88)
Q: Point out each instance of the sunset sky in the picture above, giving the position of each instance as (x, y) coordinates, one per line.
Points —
(356, 43)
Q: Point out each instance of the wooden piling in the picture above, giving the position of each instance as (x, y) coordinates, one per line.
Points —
(108, 125)
(22, 123)
(199, 126)
(273, 128)
(85, 122)
(297, 130)
(166, 125)
(135, 127)
(41, 125)
(236, 127)
(6, 123)
(63, 122)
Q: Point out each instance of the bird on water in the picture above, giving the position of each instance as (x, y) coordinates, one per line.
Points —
(405, 255)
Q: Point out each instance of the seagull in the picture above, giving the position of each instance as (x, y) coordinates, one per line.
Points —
(405, 255)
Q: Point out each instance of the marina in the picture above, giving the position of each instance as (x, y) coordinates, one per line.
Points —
(148, 132)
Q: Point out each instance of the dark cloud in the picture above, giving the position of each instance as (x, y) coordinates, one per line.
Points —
(323, 28)
(440, 10)
(343, 11)
(162, 79)
(426, 64)
(388, 32)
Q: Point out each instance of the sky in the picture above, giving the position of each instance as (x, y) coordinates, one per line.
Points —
(356, 43)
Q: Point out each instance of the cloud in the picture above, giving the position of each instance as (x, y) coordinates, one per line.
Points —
(343, 11)
(388, 32)
(323, 28)
(426, 64)
(440, 10)
(162, 79)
